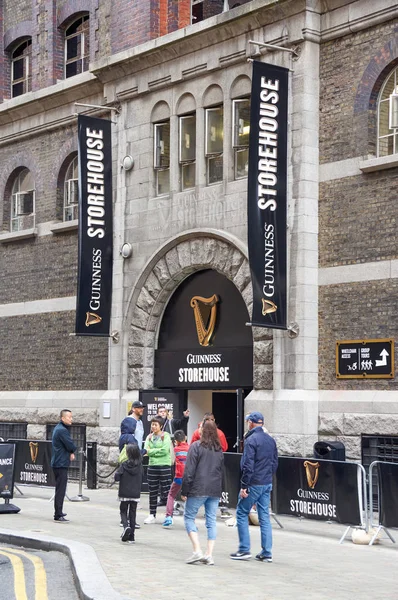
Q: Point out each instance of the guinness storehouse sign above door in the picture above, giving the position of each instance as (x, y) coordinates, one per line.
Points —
(203, 340)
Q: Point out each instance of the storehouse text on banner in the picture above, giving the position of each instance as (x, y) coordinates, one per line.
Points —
(94, 292)
(267, 184)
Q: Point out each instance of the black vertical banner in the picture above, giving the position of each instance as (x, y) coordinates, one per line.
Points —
(7, 465)
(267, 188)
(94, 290)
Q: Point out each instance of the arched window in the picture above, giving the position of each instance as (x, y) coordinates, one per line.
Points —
(77, 46)
(387, 139)
(21, 71)
(71, 200)
(23, 201)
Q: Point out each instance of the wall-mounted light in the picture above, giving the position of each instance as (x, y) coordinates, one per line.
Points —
(126, 250)
(128, 162)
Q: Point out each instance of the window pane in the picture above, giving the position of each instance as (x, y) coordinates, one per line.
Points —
(162, 182)
(18, 70)
(241, 163)
(383, 118)
(71, 69)
(26, 182)
(162, 144)
(389, 87)
(188, 176)
(73, 47)
(214, 169)
(214, 131)
(242, 123)
(17, 90)
(187, 138)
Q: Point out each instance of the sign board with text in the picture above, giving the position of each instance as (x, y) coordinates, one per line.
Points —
(360, 359)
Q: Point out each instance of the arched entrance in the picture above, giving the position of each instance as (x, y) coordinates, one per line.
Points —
(205, 349)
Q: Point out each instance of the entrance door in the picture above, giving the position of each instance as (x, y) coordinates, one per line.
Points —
(224, 410)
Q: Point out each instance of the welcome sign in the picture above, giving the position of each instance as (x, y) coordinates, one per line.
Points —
(267, 194)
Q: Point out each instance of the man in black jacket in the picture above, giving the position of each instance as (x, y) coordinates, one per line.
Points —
(171, 424)
(258, 465)
(63, 449)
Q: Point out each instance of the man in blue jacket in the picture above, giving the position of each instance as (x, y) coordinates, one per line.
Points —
(63, 451)
(258, 464)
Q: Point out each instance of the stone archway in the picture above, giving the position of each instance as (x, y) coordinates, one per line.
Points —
(169, 269)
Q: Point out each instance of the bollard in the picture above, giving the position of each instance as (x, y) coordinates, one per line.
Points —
(80, 497)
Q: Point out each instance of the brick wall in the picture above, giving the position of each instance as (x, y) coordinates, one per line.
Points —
(365, 310)
(16, 11)
(34, 269)
(37, 353)
(357, 219)
(352, 69)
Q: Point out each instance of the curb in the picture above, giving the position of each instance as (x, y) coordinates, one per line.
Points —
(90, 578)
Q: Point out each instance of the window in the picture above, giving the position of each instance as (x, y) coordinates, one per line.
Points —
(214, 144)
(387, 138)
(197, 11)
(13, 431)
(23, 202)
(71, 199)
(77, 45)
(21, 71)
(187, 156)
(162, 157)
(241, 110)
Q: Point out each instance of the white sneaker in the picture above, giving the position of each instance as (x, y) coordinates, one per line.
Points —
(150, 519)
(195, 558)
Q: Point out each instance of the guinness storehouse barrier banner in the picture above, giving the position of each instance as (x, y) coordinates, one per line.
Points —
(267, 187)
(388, 493)
(319, 489)
(94, 290)
(7, 465)
(231, 479)
(33, 463)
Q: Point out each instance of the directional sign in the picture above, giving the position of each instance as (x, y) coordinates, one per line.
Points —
(359, 359)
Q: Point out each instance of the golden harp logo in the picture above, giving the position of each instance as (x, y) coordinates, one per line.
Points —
(34, 450)
(205, 313)
(92, 319)
(1, 475)
(312, 473)
(268, 307)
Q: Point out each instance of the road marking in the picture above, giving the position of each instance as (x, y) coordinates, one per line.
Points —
(19, 575)
(40, 573)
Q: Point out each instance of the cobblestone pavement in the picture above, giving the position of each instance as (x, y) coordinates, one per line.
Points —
(308, 562)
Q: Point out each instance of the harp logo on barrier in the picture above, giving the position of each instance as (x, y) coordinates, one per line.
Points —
(312, 473)
(34, 450)
(205, 313)
(92, 319)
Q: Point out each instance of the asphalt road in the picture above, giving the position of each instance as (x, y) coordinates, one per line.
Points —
(27, 574)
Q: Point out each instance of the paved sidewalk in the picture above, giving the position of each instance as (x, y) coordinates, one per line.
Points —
(309, 564)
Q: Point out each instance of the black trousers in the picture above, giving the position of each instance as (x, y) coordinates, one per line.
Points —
(61, 479)
(128, 511)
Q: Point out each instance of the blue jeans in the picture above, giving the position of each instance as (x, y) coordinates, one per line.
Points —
(192, 506)
(259, 495)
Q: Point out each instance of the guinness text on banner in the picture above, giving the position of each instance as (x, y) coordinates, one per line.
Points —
(267, 185)
(94, 292)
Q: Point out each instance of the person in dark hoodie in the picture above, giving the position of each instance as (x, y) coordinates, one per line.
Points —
(132, 428)
(129, 476)
(63, 451)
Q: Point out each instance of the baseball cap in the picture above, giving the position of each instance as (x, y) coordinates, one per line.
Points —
(255, 417)
(137, 404)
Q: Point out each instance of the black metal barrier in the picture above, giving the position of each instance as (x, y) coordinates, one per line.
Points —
(387, 490)
(7, 469)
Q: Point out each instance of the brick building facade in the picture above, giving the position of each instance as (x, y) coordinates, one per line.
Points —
(157, 65)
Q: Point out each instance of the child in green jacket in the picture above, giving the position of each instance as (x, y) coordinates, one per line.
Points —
(158, 447)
